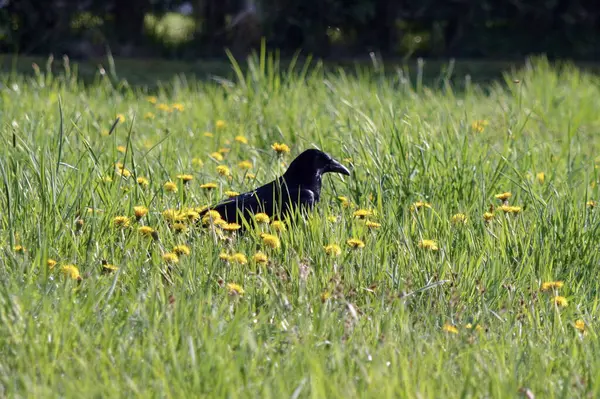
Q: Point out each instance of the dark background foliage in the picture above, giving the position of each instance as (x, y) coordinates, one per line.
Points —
(326, 28)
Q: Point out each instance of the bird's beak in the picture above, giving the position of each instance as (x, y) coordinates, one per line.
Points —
(335, 166)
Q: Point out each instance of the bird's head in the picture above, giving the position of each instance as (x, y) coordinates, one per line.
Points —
(313, 163)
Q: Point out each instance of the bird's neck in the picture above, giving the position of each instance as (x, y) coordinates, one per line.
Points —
(312, 183)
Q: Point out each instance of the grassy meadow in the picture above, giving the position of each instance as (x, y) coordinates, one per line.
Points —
(413, 277)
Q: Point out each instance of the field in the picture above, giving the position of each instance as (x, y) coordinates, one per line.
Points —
(112, 287)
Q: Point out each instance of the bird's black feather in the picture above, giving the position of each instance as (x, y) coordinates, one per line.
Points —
(300, 186)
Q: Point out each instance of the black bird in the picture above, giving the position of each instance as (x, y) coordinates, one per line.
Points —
(299, 186)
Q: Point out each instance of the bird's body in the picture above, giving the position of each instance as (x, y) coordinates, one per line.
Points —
(300, 186)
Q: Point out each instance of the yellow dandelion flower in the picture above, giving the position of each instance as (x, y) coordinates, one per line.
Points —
(459, 218)
(325, 296)
(580, 325)
(372, 225)
(146, 231)
(143, 182)
(223, 170)
(163, 107)
(152, 99)
(417, 206)
(51, 263)
(19, 249)
(217, 156)
(197, 162)
(231, 194)
(241, 139)
(140, 211)
(278, 225)
(121, 221)
(245, 165)
(503, 196)
(280, 148)
(122, 171)
(260, 257)
(488, 216)
(121, 118)
(250, 176)
(223, 150)
(192, 215)
(510, 209)
(561, 301)
(235, 289)
(271, 240)
(262, 218)
(107, 179)
(170, 187)
(170, 214)
(71, 271)
(170, 257)
(333, 249)
(185, 178)
(220, 124)
(212, 214)
(591, 204)
(179, 227)
(181, 250)
(149, 115)
(362, 213)
(239, 258)
(121, 149)
(178, 107)
(332, 219)
(224, 256)
(479, 126)
(108, 268)
(541, 177)
(344, 201)
(428, 244)
(552, 285)
(208, 134)
(355, 243)
(449, 328)
(231, 227)
(209, 186)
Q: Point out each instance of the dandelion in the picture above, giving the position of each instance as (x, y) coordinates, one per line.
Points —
(208, 134)
(245, 165)
(121, 118)
(332, 219)
(552, 285)
(149, 115)
(503, 196)
(179, 227)
(185, 178)
(428, 244)
(51, 263)
(325, 296)
(280, 148)
(107, 179)
(488, 216)
(121, 149)
(278, 225)
(71, 271)
(208, 186)
(591, 204)
(271, 240)
(143, 182)
(152, 99)
(362, 213)
(178, 107)
(239, 258)
(231, 194)
(170, 258)
(163, 107)
(146, 231)
(580, 325)
(344, 201)
(223, 170)
(231, 227)
(121, 222)
(211, 216)
(224, 150)
(241, 139)
(541, 177)
(417, 206)
(140, 211)
(510, 209)
(262, 218)
(459, 218)
(192, 215)
(449, 328)
(121, 170)
(333, 249)
(220, 124)
(561, 301)
(355, 243)
(170, 187)
(469, 326)
(217, 156)
(197, 162)
(479, 126)
(224, 256)
(260, 257)
(235, 289)
(372, 225)
(19, 249)
(181, 250)
(108, 268)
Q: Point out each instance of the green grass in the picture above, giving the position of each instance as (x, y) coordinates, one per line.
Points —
(368, 323)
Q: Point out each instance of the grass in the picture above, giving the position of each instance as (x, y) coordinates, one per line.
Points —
(393, 319)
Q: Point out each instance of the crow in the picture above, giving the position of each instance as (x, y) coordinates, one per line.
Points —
(299, 187)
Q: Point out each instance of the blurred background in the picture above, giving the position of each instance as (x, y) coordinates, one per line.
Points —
(331, 29)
